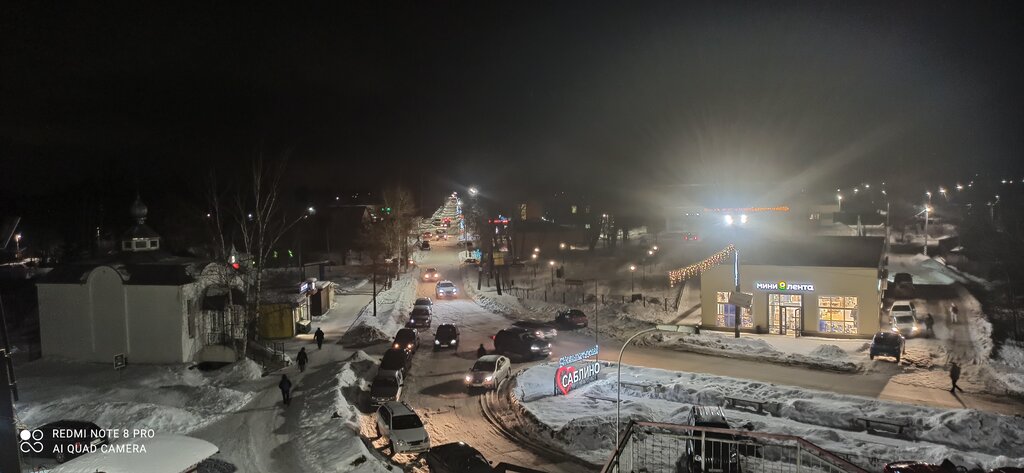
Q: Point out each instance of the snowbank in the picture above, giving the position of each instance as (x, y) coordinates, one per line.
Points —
(393, 306)
(969, 437)
(327, 438)
(167, 399)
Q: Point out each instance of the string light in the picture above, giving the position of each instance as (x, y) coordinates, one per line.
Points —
(678, 275)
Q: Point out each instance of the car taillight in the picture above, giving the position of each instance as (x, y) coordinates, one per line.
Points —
(493, 337)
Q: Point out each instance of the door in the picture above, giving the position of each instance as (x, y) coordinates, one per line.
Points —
(784, 313)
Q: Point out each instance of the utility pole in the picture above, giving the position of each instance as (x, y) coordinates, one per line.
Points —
(927, 208)
(9, 458)
(736, 279)
(374, 272)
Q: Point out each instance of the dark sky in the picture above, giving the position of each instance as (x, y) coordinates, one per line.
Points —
(508, 94)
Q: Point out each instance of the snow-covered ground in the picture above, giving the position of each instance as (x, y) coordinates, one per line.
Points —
(585, 418)
(393, 307)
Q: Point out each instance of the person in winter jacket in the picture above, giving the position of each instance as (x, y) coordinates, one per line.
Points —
(319, 337)
(954, 375)
(481, 351)
(286, 389)
(302, 358)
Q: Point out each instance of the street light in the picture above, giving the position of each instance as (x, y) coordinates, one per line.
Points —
(728, 220)
(839, 199)
(632, 278)
(552, 265)
(618, 376)
(17, 245)
(927, 210)
(534, 256)
(473, 191)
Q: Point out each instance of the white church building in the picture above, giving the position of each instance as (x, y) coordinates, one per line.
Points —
(141, 302)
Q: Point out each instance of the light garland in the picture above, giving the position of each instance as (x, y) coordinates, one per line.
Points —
(678, 275)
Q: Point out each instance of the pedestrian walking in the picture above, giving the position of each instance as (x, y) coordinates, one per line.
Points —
(286, 389)
(319, 337)
(929, 324)
(954, 375)
(302, 358)
(481, 351)
(954, 313)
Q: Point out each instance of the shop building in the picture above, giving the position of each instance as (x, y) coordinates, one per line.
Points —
(820, 286)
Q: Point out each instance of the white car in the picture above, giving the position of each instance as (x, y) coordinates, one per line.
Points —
(446, 288)
(903, 319)
(489, 371)
(403, 429)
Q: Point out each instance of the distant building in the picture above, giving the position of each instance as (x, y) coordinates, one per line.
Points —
(141, 302)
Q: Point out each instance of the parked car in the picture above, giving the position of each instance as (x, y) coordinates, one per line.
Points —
(903, 286)
(407, 339)
(921, 467)
(396, 359)
(425, 246)
(721, 454)
(521, 343)
(903, 307)
(572, 318)
(689, 236)
(419, 317)
(543, 330)
(386, 386)
(887, 344)
(423, 301)
(446, 289)
(488, 372)
(431, 274)
(447, 335)
(457, 458)
(63, 440)
(402, 428)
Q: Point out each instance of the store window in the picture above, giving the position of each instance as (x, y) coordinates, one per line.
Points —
(837, 314)
(725, 314)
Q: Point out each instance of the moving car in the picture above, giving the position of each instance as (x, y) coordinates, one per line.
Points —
(73, 437)
(521, 343)
(689, 236)
(423, 301)
(407, 339)
(446, 289)
(903, 307)
(457, 458)
(488, 372)
(425, 246)
(719, 456)
(572, 318)
(419, 318)
(386, 386)
(396, 359)
(887, 344)
(431, 274)
(427, 235)
(447, 335)
(543, 330)
(402, 428)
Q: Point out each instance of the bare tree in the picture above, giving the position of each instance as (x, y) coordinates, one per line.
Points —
(219, 223)
(399, 219)
(261, 220)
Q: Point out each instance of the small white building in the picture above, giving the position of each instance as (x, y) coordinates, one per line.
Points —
(141, 302)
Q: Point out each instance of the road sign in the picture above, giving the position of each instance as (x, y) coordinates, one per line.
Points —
(573, 282)
(119, 361)
(741, 299)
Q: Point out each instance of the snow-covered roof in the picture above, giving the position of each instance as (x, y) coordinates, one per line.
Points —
(163, 454)
(152, 268)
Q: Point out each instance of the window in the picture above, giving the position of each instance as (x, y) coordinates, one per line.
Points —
(574, 210)
(140, 244)
(154, 243)
(837, 314)
(725, 315)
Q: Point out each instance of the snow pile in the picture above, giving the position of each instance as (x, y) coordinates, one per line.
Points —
(327, 438)
(239, 372)
(828, 351)
(167, 399)
(393, 306)
(1011, 354)
(970, 437)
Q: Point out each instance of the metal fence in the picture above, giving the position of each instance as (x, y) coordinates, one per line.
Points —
(577, 297)
(650, 447)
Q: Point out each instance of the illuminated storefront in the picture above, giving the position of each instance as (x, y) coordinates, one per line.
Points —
(830, 287)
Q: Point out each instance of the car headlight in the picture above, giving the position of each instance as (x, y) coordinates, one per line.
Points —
(453, 341)
(534, 348)
(437, 342)
(401, 442)
(539, 333)
(469, 378)
(913, 329)
(398, 345)
(409, 346)
(489, 378)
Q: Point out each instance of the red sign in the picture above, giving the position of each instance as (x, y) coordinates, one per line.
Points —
(568, 377)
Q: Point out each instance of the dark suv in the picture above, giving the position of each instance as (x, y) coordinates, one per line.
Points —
(721, 455)
(396, 359)
(447, 335)
(887, 344)
(521, 343)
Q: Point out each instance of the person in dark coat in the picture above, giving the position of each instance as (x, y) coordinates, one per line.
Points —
(286, 389)
(481, 351)
(929, 323)
(954, 375)
(319, 337)
(302, 358)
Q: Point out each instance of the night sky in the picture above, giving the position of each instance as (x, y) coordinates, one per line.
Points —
(512, 94)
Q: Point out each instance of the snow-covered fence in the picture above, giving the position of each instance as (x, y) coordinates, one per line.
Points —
(656, 447)
(580, 297)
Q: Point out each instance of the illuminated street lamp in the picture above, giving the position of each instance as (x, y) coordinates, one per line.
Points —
(632, 278)
(959, 187)
(552, 265)
(927, 210)
(839, 199)
(534, 257)
(17, 245)
(473, 191)
(655, 247)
